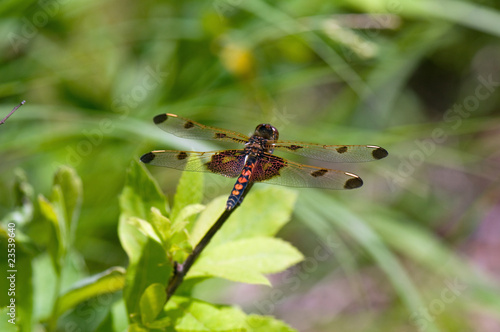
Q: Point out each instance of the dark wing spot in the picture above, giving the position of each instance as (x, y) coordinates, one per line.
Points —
(228, 163)
(188, 125)
(267, 168)
(353, 183)
(342, 149)
(182, 155)
(380, 153)
(220, 135)
(148, 157)
(319, 172)
(160, 118)
(294, 147)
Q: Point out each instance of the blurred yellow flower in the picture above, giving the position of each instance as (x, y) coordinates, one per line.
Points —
(238, 60)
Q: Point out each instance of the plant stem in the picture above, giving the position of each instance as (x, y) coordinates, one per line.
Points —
(180, 270)
(12, 112)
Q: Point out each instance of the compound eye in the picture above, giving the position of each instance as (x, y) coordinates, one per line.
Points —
(267, 131)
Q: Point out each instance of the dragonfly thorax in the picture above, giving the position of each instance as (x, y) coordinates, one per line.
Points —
(262, 140)
(257, 145)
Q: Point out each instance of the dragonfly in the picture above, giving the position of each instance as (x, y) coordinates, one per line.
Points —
(255, 162)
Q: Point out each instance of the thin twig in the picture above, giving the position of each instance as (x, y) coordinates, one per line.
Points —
(12, 112)
(180, 270)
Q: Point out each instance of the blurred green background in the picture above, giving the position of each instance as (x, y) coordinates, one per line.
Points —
(416, 248)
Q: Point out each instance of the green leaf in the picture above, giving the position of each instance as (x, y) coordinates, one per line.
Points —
(152, 302)
(160, 323)
(57, 202)
(70, 197)
(90, 315)
(188, 212)
(267, 323)
(62, 212)
(174, 238)
(246, 260)
(161, 225)
(47, 210)
(207, 218)
(23, 200)
(137, 328)
(107, 324)
(54, 244)
(148, 263)
(189, 192)
(131, 239)
(141, 193)
(263, 213)
(109, 281)
(120, 318)
(168, 232)
(45, 286)
(144, 227)
(193, 315)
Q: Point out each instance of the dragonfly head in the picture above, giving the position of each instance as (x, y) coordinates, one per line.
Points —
(267, 131)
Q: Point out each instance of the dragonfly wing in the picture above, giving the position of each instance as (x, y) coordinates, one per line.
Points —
(186, 128)
(276, 170)
(333, 153)
(226, 162)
